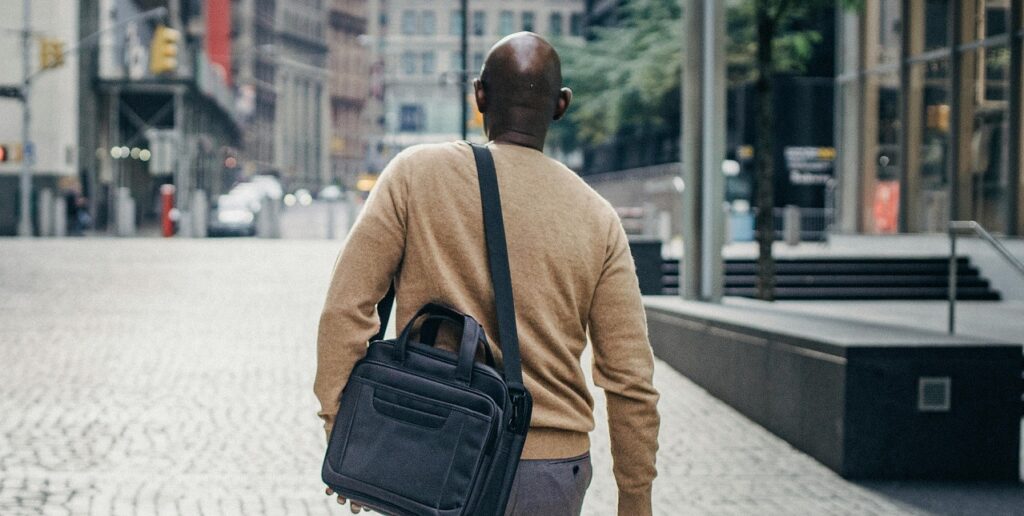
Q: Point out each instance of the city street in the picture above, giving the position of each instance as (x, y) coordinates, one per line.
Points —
(148, 376)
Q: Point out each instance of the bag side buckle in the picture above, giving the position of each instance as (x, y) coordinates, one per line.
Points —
(520, 420)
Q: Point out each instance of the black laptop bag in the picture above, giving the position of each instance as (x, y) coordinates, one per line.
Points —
(426, 431)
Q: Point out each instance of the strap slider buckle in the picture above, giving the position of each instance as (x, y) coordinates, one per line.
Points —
(520, 420)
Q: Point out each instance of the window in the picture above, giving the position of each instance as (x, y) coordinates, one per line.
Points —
(576, 24)
(408, 22)
(411, 118)
(429, 63)
(455, 23)
(456, 61)
(428, 23)
(889, 33)
(996, 16)
(478, 61)
(506, 22)
(479, 23)
(408, 63)
(931, 99)
(555, 24)
(528, 21)
(936, 24)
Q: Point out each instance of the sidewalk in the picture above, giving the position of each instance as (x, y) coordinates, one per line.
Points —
(149, 376)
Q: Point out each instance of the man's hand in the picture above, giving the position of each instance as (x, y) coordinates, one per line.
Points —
(356, 507)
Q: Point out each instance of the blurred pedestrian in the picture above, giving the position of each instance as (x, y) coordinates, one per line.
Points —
(572, 275)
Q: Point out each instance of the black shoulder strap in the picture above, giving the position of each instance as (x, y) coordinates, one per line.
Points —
(501, 276)
(497, 257)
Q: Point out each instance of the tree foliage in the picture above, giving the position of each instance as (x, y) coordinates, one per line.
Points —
(792, 46)
(623, 75)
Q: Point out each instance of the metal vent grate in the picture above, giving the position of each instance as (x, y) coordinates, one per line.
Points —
(933, 393)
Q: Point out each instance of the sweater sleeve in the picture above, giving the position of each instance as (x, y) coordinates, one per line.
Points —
(362, 275)
(624, 367)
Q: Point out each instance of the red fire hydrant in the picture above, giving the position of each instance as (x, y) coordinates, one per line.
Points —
(166, 207)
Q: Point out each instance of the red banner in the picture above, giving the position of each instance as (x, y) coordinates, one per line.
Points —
(218, 35)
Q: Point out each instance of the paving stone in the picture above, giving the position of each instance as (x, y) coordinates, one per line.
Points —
(155, 377)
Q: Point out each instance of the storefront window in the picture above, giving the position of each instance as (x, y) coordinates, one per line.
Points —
(934, 120)
(936, 24)
(889, 31)
(989, 171)
(886, 156)
(994, 16)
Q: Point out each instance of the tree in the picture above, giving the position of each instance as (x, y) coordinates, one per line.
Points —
(623, 75)
(775, 20)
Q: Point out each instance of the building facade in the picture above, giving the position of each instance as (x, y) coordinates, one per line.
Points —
(281, 57)
(929, 115)
(54, 96)
(132, 104)
(96, 115)
(418, 63)
(349, 89)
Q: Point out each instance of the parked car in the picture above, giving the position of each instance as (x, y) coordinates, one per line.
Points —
(270, 186)
(234, 215)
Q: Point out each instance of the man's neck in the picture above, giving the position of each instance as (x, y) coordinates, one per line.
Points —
(516, 137)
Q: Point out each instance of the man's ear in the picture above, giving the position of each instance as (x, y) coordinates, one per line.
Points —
(564, 99)
(478, 92)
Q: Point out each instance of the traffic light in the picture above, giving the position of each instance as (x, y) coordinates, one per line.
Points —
(51, 53)
(163, 51)
(3, 153)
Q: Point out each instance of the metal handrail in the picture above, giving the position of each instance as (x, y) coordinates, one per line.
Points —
(970, 226)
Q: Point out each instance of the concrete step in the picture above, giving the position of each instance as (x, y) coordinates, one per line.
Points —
(850, 277)
(852, 293)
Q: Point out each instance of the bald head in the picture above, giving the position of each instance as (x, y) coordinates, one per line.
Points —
(520, 89)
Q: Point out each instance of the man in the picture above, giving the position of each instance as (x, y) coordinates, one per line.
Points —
(572, 275)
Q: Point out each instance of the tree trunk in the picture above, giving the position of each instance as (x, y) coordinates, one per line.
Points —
(764, 154)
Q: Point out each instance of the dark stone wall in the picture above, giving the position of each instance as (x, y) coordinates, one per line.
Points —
(854, 407)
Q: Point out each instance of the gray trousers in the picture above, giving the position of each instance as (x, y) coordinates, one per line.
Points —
(550, 487)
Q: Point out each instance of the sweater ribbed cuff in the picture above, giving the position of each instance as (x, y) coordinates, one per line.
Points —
(635, 502)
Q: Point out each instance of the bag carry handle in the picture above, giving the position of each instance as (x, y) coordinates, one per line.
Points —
(472, 337)
(432, 325)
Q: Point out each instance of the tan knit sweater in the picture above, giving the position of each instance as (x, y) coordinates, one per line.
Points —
(572, 273)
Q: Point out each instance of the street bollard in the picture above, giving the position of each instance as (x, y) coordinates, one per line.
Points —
(200, 214)
(330, 195)
(330, 219)
(351, 211)
(275, 217)
(166, 205)
(60, 218)
(184, 224)
(791, 224)
(263, 219)
(125, 212)
(45, 212)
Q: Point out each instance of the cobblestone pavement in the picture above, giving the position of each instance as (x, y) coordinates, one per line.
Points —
(174, 377)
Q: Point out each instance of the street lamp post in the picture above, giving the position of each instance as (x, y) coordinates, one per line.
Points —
(25, 220)
(464, 76)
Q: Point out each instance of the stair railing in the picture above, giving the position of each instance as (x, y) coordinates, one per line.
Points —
(969, 226)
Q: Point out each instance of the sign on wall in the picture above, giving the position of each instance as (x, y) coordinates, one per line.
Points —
(124, 49)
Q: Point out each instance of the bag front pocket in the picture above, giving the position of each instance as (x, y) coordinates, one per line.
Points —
(409, 410)
(420, 449)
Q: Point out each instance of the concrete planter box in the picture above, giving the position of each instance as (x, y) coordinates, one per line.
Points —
(869, 401)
